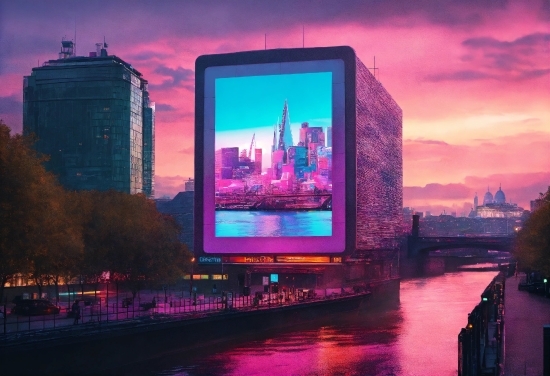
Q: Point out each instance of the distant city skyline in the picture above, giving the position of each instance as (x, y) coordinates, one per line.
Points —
(471, 77)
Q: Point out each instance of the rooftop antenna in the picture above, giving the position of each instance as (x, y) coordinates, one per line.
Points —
(374, 69)
(265, 41)
(303, 37)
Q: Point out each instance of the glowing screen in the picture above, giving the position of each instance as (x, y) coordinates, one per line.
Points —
(273, 165)
(274, 177)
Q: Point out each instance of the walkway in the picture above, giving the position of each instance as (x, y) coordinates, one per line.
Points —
(524, 316)
(116, 314)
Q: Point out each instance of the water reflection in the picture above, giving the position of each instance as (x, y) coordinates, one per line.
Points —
(417, 338)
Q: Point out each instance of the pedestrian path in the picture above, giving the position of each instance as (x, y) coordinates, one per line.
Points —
(122, 311)
(524, 316)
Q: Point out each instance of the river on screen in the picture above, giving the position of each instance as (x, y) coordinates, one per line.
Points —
(419, 337)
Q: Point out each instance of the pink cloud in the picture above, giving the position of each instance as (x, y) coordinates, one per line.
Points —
(444, 62)
(523, 152)
(519, 188)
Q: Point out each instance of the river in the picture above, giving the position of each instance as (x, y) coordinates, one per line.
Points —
(419, 337)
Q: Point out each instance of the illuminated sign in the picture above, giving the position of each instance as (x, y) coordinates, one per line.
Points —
(249, 259)
(303, 259)
(210, 260)
(274, 278)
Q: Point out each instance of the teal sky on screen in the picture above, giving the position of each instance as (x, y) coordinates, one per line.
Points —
(257, 101)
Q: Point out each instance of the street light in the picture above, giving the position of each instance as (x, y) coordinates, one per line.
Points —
(191, 276)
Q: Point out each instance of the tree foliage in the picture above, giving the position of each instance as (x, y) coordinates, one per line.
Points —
(532, 247)
(30, 204)
(51, 234)
(127, 236)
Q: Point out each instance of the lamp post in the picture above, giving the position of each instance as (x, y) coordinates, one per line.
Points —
(222, 274)
(191, 276)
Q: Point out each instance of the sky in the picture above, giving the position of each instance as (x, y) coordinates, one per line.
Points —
(472, 76)
(252, 105)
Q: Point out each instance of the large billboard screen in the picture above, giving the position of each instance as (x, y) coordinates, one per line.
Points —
(273, 158)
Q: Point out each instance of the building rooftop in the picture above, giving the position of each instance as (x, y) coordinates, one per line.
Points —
(83, 60)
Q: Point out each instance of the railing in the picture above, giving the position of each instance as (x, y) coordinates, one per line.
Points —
(480, 343)
(123, 312)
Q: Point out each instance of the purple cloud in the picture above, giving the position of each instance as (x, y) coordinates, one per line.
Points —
(465, 75)
(517, 60)
(147, 55)
(177, 77)
(11, 105)
(164, 107)
(531, 40)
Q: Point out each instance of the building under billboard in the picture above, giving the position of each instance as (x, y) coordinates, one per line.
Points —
(324, 209)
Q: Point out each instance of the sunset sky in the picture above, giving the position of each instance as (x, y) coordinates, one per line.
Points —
(472, 77)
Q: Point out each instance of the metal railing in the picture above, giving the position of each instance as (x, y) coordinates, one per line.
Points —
(124, 312)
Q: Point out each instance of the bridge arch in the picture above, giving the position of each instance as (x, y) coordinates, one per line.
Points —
(419, 246)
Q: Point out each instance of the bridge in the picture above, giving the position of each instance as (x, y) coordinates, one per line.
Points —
(421, 245)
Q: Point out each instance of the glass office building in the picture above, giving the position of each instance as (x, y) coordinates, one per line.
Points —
(93, 117)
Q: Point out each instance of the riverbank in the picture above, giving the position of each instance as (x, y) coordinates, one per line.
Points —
(525, 316)
(94, 348)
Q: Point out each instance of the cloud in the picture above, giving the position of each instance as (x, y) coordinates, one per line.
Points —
(11, 105)
(177, 77)
(519, 188)
(11, 112)
(524, 58)
(221, 18)
(467, 75)
(187, 151)
(531, 40)
(426, 142)
(513, 161)
(164, 107)
(148, 55)
(441, 191)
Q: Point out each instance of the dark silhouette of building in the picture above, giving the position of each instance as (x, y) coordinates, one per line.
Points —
(181, 208)
(93, 117)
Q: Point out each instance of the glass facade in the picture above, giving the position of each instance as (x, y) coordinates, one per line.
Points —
(148, 146)
(93, 117)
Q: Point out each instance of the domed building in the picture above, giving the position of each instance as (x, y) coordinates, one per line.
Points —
(500, 198)
(495, 207)
(488, 198)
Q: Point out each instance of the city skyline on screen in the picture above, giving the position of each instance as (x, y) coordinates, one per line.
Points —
(251, 105)
(269, 170)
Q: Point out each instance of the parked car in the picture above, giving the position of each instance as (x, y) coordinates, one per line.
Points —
(35, 307)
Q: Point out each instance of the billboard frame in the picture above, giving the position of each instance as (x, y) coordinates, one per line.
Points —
(344, 53)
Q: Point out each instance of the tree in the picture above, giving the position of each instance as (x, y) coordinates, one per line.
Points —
(127, 236)
(61, 240)
(532, 246)
(27, 203)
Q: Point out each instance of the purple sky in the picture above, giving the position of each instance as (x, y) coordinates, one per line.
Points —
(472, 77)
